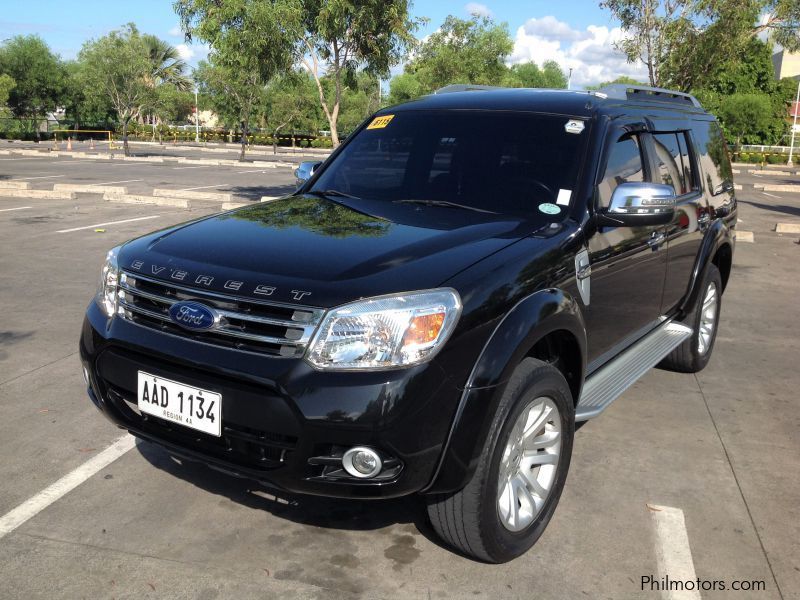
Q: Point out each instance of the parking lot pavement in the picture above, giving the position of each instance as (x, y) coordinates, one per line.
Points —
(243, 183)
(721, 447)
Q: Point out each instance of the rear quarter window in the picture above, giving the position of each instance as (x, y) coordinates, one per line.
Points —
(712, 154)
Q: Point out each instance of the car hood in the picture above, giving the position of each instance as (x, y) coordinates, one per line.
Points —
(318, 252)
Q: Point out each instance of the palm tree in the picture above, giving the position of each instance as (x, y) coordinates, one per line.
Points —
(166, 67)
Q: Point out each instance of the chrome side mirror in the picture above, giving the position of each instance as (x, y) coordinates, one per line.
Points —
(305, 170)
(640, 204)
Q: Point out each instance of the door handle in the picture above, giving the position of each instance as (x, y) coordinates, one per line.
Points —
(656, 239)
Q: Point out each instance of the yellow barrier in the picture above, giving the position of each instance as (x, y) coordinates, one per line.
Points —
(111, 145)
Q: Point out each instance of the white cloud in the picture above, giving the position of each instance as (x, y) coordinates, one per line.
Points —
(185, 51)
(589, 53)
(176, 31)
(476, 8)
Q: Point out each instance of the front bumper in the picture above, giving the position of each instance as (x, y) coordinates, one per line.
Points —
(280, 416)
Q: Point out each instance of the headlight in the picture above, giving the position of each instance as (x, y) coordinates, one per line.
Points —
(107, 287)
(386, 332)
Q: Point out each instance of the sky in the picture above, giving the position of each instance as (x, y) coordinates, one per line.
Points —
(577, 34)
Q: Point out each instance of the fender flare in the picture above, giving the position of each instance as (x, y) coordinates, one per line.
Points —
(528, 321)
(717, 236)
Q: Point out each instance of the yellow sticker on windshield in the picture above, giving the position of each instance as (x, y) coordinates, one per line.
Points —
(380, 122)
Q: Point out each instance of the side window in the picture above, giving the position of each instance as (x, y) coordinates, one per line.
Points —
(689, 176)
(624, 165)
(712, 154)
(668, 160)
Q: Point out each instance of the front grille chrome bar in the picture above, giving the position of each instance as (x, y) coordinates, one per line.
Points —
(273, 328)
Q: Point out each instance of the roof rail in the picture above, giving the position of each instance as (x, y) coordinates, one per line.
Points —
(621, 91)
(466, 87)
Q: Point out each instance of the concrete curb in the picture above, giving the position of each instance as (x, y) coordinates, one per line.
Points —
(198, 161)
(150, 159)
(268, 198)
(37, 194)
(14, 185)
(787, 228)
(795, 188)
(89, 189)
(189, 195)
(767, 172)
(232, 205)
(137, 199)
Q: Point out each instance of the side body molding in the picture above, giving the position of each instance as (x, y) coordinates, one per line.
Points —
(528, 321)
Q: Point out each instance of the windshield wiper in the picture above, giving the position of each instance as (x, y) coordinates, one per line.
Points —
(444, 203)
(333, 193)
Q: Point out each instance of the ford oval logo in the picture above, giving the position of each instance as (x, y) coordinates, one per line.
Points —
(193, 315)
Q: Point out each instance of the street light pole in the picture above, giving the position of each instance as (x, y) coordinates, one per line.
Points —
(196, 118)
(794, 125)
(569, 79)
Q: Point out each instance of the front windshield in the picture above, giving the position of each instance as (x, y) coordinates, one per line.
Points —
(510, 163)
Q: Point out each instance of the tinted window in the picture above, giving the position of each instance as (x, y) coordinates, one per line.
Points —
(668, 160)
(624, 165)
(712, 154)
(507, 163)
(689, 178)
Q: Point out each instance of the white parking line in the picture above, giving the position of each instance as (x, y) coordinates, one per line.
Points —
(197, 167)
(673, 554)
(202, 187)
(772, 195)
(108, 223)
(251, 171)
(37, 177)
(17, 208)
(33, 506)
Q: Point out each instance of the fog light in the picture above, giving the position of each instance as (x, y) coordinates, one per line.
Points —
(362, 462)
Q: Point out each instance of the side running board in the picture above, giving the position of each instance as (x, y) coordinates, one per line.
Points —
(607, 383)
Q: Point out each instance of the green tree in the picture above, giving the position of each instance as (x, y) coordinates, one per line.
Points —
(7, 84)
(360, 99)
(84, 104)
(682, 42)
(251, 42)
(166, 75)
(745, 116)
(529, 75)
(236, 96)
(623, 80)
(38, 75)
(405, 87)
(461, 51)
(118, 65)
(341, 35)
(291, 104)
(653, 27)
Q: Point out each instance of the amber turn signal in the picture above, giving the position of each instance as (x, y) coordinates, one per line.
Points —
(423, 329)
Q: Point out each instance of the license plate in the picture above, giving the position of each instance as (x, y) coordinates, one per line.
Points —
(180, 403)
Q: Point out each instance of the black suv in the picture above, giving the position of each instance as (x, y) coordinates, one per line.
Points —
(435, 308)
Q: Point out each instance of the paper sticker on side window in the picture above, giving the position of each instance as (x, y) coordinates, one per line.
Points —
(380, 122)
(574, 126)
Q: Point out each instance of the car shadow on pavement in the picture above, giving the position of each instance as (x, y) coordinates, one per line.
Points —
(781, 208)
(315, 511)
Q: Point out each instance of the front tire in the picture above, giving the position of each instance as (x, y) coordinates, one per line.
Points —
(513, 494)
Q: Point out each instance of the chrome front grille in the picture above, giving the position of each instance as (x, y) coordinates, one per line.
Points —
(244, 324)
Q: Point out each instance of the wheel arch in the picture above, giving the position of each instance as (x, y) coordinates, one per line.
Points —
(546, 322)
(716, 249)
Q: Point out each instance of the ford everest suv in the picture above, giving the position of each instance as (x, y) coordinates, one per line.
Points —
(466, 278)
